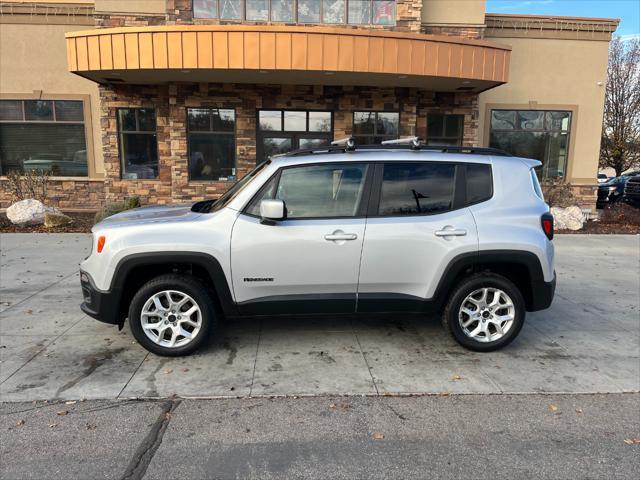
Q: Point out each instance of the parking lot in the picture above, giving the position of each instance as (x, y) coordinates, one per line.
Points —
(589, 341)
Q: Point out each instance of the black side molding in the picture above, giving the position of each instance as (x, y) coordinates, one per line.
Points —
(300, 304)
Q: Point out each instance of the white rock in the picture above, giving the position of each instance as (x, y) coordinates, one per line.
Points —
(28, 212)
(570, 218)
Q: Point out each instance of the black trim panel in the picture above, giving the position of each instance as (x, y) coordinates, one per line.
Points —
(538, 296)
(210, 264)
(300, 304)
(393, 302)
(98, 304)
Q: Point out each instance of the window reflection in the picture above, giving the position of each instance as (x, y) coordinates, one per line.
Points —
(541, 135)
(355, 12)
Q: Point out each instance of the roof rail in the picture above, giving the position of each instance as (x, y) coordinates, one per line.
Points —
(345, 145)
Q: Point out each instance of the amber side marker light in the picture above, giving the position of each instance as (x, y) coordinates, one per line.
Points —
(101, 240)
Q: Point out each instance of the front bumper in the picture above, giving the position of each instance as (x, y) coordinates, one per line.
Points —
(543, 293)
(102, 306)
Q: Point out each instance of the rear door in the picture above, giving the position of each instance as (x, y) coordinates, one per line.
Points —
(417, 224)
(307, 263)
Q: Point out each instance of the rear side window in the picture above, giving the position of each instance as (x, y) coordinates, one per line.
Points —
(416, 189)
(479, 183)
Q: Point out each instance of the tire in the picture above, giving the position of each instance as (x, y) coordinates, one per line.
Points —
(179, 288)
(470, 292)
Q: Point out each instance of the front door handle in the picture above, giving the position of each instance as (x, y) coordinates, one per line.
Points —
(450, 232)
(338, 236)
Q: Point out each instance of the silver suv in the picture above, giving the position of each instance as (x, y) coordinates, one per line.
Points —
(342, 230)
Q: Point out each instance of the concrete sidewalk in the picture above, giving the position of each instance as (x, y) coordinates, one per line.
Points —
(589, 341)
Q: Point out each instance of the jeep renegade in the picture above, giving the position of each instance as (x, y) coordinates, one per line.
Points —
(343, 229)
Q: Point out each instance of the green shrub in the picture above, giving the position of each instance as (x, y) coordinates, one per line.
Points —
(113, 208)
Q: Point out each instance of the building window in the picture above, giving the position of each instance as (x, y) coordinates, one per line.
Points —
(354, 12)
(43, 135)
(280, 131)
(138, 143)
(445, 129)
(370, 128)
(537, 134)
(211, 135)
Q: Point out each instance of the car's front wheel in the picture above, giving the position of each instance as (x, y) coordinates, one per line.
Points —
(485, 312)
(172, 315)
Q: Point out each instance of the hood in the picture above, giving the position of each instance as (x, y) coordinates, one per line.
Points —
(153, 214)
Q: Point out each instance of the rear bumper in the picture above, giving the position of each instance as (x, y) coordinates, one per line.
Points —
(543, 293)
(102, 306)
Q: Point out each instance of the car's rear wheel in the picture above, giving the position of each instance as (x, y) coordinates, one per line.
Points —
(485, 312)
(172, 315)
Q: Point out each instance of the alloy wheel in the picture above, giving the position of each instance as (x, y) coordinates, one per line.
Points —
(171, 318)
(486, 314)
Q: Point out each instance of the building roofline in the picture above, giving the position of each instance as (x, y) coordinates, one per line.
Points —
(516, 16)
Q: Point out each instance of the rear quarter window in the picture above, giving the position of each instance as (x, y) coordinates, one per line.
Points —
(479, 183)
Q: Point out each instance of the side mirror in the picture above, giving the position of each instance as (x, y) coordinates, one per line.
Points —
(271, 211)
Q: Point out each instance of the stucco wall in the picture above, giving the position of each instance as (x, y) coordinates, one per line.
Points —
(453, 12)
(34, 57)
(131, 6)
(549, 72)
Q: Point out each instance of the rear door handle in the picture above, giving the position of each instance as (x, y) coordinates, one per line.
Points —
(336, 237)
(451, 233)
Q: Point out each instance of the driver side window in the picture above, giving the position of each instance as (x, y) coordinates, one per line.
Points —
(316, 191)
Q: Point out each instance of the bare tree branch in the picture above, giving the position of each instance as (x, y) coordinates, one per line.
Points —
(620, 144)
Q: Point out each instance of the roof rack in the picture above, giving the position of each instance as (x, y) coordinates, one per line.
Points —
(408, 143)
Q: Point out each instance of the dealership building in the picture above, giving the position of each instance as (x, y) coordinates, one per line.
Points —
(174, 100)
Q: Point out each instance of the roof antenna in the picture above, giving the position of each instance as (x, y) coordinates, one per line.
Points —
(348, 143)
(413, 141)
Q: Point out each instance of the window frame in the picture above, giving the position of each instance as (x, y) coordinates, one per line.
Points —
(87, 123)
(375, 125)
(372, 193)
(122, 132)
(459, 194)
(362, 208)
(213, 132)
(545, 108)
(296, 20)
(459, 138)
(291, 134)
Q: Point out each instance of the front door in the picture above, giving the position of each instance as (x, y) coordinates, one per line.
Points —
(307, 263)
(281, 131)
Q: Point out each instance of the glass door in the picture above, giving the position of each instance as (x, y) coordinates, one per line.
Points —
(281, 131)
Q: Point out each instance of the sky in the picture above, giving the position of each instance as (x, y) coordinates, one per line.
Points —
(626, 10)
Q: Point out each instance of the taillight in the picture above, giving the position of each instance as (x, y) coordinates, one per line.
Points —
(101, 240)
(547, 225)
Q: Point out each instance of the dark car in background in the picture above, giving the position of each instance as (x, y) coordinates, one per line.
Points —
(611, 191)
(631, 193)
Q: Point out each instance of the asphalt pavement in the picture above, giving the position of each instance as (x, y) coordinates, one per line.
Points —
(429, 437)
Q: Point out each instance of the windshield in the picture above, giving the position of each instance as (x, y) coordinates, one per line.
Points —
(230, 194)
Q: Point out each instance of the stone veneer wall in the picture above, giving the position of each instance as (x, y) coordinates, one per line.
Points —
(68, 194)
(171, 102)
(466, 31)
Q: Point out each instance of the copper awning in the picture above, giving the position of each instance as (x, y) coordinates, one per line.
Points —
(288, 55)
